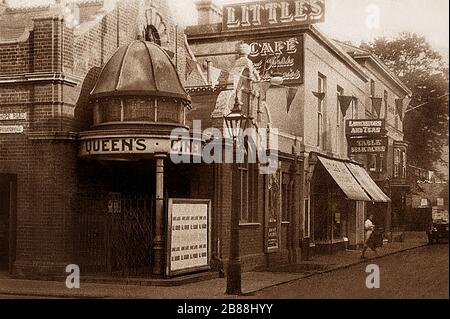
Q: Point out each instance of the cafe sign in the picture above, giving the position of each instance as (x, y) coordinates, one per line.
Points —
(365, 127)
(263, 14)
(283, 55)
(368, 145)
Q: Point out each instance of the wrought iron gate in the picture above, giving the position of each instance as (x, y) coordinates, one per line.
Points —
(115, 235)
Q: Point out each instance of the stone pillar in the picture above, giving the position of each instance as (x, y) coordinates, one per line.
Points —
(159, 240)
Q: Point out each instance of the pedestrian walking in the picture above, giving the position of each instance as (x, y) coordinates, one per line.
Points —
(369, 238)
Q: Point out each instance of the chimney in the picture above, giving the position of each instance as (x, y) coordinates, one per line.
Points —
(208, 12)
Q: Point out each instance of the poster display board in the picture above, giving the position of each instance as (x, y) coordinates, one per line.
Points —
(273, 213)
(189, 236)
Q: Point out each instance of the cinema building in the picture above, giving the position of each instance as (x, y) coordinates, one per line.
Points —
(86, 116)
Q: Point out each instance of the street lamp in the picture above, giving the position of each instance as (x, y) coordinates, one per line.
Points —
(236, 123)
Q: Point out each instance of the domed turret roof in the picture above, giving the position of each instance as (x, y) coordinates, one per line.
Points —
(140, 68)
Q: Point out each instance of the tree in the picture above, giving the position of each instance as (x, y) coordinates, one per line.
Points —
(426, 73)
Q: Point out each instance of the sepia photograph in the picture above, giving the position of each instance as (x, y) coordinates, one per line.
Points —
(224, 155)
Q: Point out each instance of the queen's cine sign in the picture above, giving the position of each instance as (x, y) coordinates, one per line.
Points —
(263, 14)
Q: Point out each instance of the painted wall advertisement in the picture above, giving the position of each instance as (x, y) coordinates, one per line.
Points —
(284, 56)
(273, 213)
(274, 13)
(368, 145)
(365, 127)
(189, 236)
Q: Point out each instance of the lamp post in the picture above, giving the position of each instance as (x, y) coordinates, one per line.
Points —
(236, 123)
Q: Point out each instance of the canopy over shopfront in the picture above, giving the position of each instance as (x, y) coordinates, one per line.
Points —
(344, 179)
(354, 181)
(368, 184)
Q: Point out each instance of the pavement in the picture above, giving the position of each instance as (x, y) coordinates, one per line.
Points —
(252, 282)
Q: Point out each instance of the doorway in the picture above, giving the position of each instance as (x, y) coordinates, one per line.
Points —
(7, 221)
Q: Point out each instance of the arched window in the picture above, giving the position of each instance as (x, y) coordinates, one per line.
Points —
(152, 35)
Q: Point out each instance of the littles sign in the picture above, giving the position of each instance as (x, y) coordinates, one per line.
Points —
(273, 13)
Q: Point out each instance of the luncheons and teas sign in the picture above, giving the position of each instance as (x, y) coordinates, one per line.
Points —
(365, 127)
(263, 14)
(368, 145)
(283, 55)
(189, 236)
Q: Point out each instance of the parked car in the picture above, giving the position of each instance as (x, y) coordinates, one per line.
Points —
(438, 232)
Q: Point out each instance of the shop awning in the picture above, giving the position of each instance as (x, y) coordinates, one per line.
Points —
(345, 180)
(368, 184)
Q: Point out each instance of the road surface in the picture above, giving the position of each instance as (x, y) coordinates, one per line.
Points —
(420, 273)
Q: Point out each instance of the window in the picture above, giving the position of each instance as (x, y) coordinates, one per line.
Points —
(396, 163)
(396, 117)
(243, 170)
(372, 94)
(355, 108)
(307, 214)
(320, 110)
(386, 97)
(285, 202)
(339, 118)
(152, 35)
(403, 164)
(248, 181)
(376, 163)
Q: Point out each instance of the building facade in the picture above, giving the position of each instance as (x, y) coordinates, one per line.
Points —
(87, 175)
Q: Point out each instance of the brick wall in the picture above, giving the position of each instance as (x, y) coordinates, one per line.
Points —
(50, 77)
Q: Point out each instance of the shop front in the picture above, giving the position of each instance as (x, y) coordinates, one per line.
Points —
(339, 193)
(140, 214)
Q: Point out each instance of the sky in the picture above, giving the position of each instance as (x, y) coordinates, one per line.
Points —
(346, 19)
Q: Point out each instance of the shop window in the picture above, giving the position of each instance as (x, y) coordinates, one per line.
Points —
(321, 111)
(340, 218)
(397, 163)
(376, 163)
(285, 201)
(307, 216)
